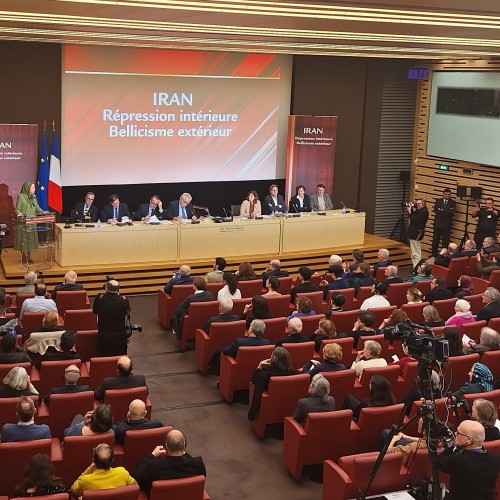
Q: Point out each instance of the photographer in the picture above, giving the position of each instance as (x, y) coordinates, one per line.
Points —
(4, 231)
(418, 215)
(112, 310)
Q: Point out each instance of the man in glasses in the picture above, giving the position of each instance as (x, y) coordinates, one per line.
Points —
(86, 211)
(473, 470)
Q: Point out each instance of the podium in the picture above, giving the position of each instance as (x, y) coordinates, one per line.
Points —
(38, 240)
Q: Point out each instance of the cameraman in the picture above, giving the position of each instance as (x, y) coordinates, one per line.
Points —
(111, 309)
(418, 215)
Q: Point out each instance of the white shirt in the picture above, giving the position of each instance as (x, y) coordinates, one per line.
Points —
(225, 294)
(37, 304)
(367, 363)
(374, 301)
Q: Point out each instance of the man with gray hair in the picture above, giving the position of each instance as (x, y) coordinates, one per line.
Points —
(181, 209)
(29, 278)
(491, 301)
(369, 357)
(224, 316)
(391, 275)
(180, 277)
(469, 249)
(136, 420)
(383, 260)
(295, 329)
(68, 285)
(489, 245)
(317, 400)
(274, 269)
(489, 340)
(253, 337)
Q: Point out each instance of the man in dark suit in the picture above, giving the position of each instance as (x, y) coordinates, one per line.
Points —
(338, 283)
(68, 285)
(181, 209)
(225, 314)
(391, 275)
(294, 337)
(274, 269)
(86, 211)
(124, 380)
(147, 210)
(438, 291)
(491, 301)
(273, 202)
(181, 277)
(114, 210)
(169, 462)
(446, 254)
(200, 295)
(444, 209)
(25, 429)
(383, 260)
(136, 420)
(487, 218)
(304, 276)
(469, 249)
(253, 337)
(71, 377)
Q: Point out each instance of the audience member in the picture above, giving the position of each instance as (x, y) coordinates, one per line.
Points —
(272, 285)
(170, 461)
(397, 316)
(29, 279)
(17, 383)
(124, 380)
(465, 286)
(469, 249)
(362, 327)
(136, 420)
(71, 377)
(446, 254)
(38, 303)
(99, 475)
(489, 340)
(303, 308)
(423, 273)
(67, 346)
(295, 336)
(377, 299)
(450, 333)
(332, 357)
(216, 276)
(413, 295)
(438, 291)
(274, 269)
(245, 272)
(486, 413)
(69, 284)
(10, 352)
(25, 429)
(278, 364)
(360, 276)
(39, 479)
(305, 286)
(431, 317)
(317, 400)
(485, 266)
(391, 275)
(382, 260)
(480, 380)
(180, 277)
(337, 301)
(224, 316)
(333, 260)
(98, 421)
(257, 309)
(491, 301)
(488, 246)
(50, 323)
(6, 322)
(369, 357)
(462, 314)
(326, 330)
(253, 337)
(338, 283)
(230, 289)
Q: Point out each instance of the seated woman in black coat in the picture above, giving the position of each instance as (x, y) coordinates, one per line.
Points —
(486, 413)
(257, 309)
(277, 365)
(318, 399)
(332, 357)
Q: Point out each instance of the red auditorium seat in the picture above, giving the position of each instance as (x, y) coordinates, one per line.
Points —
(20, 298)
(124, 493)
(476, 302)
(480, 285)
(239, 305)
(341, 384)
(458, 373)
(86, 344)
(364, 292)
(214, 288)
(472, 330)
(275, 329)
(381, 313)
(51, 374)
(285, 285)
(415, 311)
(493, 396)
(76, 299)
(450, 274)
(495, 279)
(120, 399)
(317, 300)
(445, 307)
(188, 488)
(380, 274)
(300, 353)
(396, 293)
(168, 303)
(80, 319)
(348, 293)
(196, 317)
(424, 286)
(362, 386)
(279, 305)
(310, 324)
(344, 320)
(100, 368)
(492, 360)
(249, 288)
(346, 344)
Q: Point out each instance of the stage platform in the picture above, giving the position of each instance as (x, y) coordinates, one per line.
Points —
(148, 277)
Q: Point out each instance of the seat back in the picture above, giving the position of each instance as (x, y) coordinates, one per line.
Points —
(275, 329)
(123, 493)
(76, 299)
(7, 367)
(214, 287)
(407, 382)
(86, 344)
(196, 317)
(80, 319)
(472, 330)
(168, 303)
(239, 305)
(315, 279)
(249, 288)
(20, 298)
(396, 293)
(456, 268)
(445, 308)
(493, 396)
(187, 488)
(120, 399)
(32, 321)
(8, 408)
(476, 302)
(101, 368)
(381, 313)
(348, 293)
(380, 273)
(480, 285)
(492, 360)
(64, 407)
(285, 285)
(344, 320)
(460, 368)
(424, 286)
(495, 279)
(341, 384)
(52, 374)
(139, 443)
(300, 353)
(317, 300)
(415, 311)
(279, 305)
(390, 373)
(363, 293)
(346, 344)
(310, 324)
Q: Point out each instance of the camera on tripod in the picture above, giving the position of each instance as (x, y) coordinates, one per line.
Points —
(408, 204)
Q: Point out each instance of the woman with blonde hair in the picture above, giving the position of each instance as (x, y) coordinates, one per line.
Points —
(326, 330)
(332, 357)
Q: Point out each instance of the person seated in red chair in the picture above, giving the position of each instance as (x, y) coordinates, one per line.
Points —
(295, 328)
(462, 314)
(274, 269)
(25, 429)
(391, 275)
(98, 421)
(180, 277)
(382, 260)
(326, 330)
(303, 308)
(136, 420)
(446, 254)
(30, 279)
(489, 340)
(69, 284)
(338, 282)
(369, 357)
(225, 314)
(38, 303)
(68, 350)
(99, 475)
(11, 353)
(491, 301)
(170, 461)
(71, 377)
(17, 383)
(332, 357)
(362, 327)
(486, 413)
(305, 286)
(487, 266)
(253, 337)
(124, 380)
(438, 291)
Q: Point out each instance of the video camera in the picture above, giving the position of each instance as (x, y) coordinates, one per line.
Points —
(427, 347)
(4, 229)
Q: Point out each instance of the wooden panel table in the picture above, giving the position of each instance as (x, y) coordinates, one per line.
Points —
(230, 239)
(333, 230)
(112, 244)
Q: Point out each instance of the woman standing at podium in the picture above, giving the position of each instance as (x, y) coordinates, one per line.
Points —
(26, 206)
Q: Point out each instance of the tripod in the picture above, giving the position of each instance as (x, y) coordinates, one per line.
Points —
(400, 224)
(465, 237)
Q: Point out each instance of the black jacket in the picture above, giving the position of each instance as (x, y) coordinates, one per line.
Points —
(418, 220)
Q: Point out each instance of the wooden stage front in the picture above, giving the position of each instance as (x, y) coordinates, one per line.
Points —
(148, 277)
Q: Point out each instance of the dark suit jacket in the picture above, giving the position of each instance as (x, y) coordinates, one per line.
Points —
(302, 288)
(335, 285)
(133, 425)
(382, 263)
(418, 220)
(66, 389)
(181, 280)
(312, 404)
(108, 211)
(204, 296)
(279, 273)
(220, 318)
(294, 204)
(232, 348)
(93, 212)
(269, 207)
(119, 382)
(293, 338)
(491, 310)
(15, 432)
(444, 214)
(391, 281)
(444, 260)
(438, 294)
(70, 287)
(173, 210)
(143, 211)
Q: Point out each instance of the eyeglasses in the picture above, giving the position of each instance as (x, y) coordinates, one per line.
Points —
(458, 433)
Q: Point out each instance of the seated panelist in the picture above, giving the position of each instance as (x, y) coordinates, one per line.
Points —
(147, 210)
(86, 211)
(251, 206)
(321, 200)
(115, 210)
(300, 202)
(274, 202)
(181, 208)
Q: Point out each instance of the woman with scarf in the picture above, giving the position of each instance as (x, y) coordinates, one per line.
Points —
(465, 286)
(26, 206)
(481, 380)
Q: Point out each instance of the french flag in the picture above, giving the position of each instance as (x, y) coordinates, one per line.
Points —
(55, 189)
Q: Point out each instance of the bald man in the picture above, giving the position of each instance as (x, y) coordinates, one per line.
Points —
(180, 277)
(71, 377)
(295, 333)
(473, 470)
(124, 380)
(168, 462)
(136, 420)
(69, 284)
